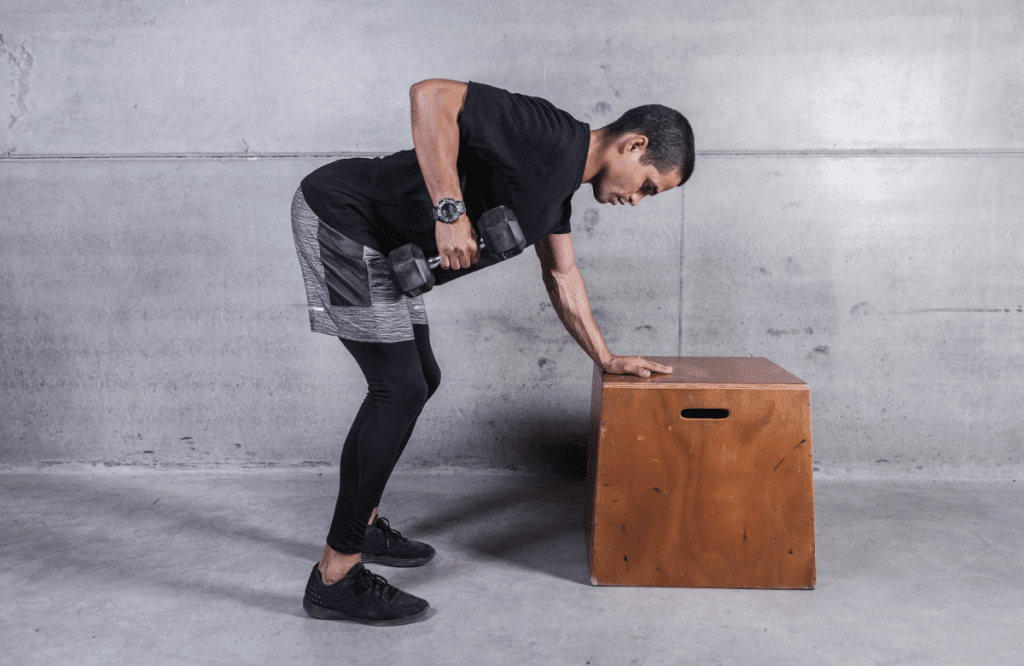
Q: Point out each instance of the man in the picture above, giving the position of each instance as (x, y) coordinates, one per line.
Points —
(476, 147)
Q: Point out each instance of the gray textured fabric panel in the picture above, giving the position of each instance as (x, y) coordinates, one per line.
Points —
(390, 315)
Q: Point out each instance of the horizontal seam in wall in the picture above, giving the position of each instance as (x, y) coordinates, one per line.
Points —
(907, 152)
(181, 156)
(937, 152)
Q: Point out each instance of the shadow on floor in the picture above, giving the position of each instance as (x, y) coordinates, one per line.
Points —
(106, 532)
(136, 531)
(533, 521)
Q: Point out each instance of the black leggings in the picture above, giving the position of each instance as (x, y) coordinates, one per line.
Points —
(401, 377)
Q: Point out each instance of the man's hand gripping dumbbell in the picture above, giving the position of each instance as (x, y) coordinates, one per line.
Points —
(499, 237)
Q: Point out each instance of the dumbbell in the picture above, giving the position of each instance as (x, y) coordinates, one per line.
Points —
(499, 237)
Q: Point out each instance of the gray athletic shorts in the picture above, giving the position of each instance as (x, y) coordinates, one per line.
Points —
(348, 289)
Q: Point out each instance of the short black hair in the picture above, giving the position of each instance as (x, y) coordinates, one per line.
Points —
(669, 137)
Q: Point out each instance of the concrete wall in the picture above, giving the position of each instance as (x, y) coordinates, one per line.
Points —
(855, 216)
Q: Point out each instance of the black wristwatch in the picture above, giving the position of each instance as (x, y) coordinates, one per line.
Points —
(448, 210)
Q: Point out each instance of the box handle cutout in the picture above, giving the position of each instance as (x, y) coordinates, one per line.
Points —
(705, 413)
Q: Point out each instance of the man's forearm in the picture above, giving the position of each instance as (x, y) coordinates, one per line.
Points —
(569, 297)
(436, 105)
(435, 134)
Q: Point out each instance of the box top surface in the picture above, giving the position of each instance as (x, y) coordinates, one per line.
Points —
(688, 370)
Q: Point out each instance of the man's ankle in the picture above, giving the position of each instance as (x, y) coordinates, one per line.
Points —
(330, 577)
(334, 565)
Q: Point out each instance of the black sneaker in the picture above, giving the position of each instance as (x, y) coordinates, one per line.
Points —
(361, 596)
(384, 545)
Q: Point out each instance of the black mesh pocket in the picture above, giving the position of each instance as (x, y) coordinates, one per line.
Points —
(348, 281)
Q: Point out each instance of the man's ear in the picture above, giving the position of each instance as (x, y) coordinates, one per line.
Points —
(637, 142)
(630, 143)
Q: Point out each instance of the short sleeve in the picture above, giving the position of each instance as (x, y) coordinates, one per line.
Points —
(563, 224)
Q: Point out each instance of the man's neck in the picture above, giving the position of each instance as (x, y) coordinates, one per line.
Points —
(595, 155)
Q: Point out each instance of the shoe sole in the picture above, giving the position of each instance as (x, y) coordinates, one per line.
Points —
(321, 613)
(395, 561)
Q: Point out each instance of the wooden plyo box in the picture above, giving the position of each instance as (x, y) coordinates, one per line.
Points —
(701, 478)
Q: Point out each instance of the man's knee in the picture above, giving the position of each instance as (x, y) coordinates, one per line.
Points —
(412, 393)
(432, 377)
(415, 392)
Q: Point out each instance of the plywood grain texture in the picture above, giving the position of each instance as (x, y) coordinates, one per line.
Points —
(702, 502)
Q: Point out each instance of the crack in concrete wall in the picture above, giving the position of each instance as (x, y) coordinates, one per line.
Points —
(19, 60)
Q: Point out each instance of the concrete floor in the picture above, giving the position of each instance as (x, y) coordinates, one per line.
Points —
(128, 566)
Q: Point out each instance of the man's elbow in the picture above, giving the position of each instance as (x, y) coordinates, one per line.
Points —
(422, 88)
(562, 272)
(420, 93)
(556, 278)
(437, 93)
(547, 275)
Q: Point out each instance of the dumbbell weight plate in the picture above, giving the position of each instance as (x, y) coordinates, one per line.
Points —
(408, 268)
(500, 232)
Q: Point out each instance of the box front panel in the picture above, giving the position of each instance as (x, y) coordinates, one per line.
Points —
(709, 501)
(593, 444)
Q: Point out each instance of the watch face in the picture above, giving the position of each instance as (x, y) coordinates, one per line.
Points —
(449, 211)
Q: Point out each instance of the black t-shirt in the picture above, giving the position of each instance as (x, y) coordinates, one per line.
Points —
(514, 150)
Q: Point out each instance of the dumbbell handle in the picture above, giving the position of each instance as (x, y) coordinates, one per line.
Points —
(434, 262)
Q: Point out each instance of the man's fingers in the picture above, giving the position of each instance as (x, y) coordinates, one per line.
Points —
(653, 365)
(637, 368)
(459, 258)
(635, 365)
(454, 260)
(643, 367)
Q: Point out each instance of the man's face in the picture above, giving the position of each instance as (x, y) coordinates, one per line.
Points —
(625, 180)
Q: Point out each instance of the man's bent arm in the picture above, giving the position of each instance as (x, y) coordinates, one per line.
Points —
(564, 284)
(436, 105)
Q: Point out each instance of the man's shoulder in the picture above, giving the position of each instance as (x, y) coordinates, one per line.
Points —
(520, 133)
(496, 98)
